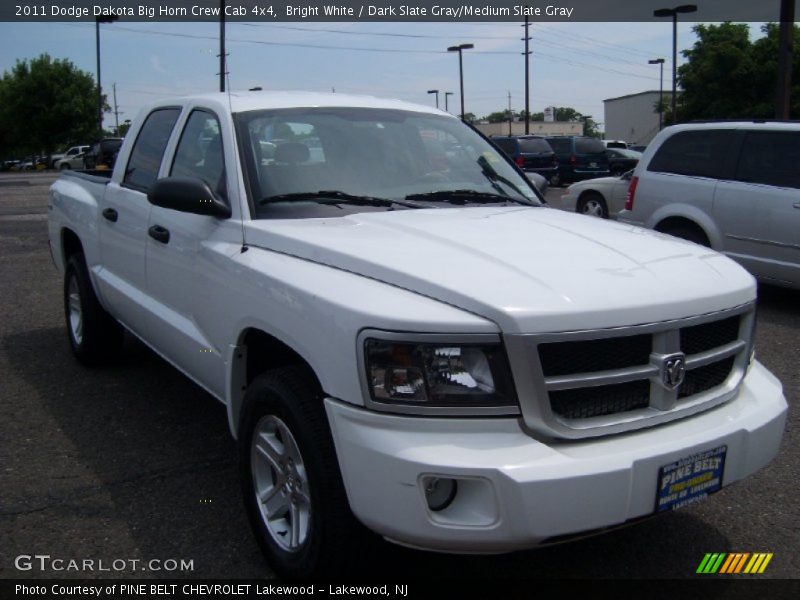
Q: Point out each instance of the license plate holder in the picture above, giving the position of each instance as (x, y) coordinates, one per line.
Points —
(690, 479)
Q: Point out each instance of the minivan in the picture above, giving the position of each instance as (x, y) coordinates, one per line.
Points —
(732, 186)
(579, 158)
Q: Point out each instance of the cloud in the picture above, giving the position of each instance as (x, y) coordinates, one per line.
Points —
(155, 62)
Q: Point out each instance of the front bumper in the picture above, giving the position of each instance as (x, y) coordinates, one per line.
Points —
(517, 492)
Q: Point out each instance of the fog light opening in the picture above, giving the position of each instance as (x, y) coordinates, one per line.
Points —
(440, 492)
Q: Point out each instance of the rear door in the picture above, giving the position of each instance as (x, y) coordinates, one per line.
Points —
(123, 219)
(537, 154)
(759, 210)
(184, 268)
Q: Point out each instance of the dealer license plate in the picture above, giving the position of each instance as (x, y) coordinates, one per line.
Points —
(690, 479)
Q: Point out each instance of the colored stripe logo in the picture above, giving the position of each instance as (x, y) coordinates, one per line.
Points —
(734, 563)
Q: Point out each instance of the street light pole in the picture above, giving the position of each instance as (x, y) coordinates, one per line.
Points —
(673, 12)
(459, 49)
(437, 96)
(446, 94)
(660, 63)
(97, 21)
(527, 54)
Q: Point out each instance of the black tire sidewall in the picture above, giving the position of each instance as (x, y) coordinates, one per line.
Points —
(102, 335)
(282, 393)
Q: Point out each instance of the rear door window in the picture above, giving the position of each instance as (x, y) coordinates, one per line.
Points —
(560, 146)
(506, 145)
(701, 153)
(771, 158)
(534, 145)
(589, 146)
(148, 151)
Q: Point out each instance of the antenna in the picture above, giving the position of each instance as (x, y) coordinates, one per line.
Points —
(238, 174)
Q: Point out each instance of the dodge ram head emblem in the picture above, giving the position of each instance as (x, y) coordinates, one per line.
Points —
(673, 370)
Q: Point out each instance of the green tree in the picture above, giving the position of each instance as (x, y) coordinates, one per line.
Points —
(46, 104)
(498, 117)
(727, 76)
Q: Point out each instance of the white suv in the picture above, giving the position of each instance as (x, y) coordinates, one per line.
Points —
(732, 186)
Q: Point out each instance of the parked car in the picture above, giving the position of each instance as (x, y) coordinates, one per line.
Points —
(531, 153)
(638, 147)
(410, 342)
(578, 158)
(734, 187)
(600, 197)
(615, 143)
(622, 160)
(103, 154)
(73, 158)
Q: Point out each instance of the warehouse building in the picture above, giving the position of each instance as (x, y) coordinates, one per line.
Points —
(634, 117)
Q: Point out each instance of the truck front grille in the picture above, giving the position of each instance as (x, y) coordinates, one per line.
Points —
(626, 378)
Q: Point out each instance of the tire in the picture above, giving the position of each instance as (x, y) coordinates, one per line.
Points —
(555, 179)
(593, 204)
(292, 487)
(691, 234)
(94, 336)
(64, 167)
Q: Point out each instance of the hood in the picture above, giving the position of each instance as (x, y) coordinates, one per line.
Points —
(529, 270)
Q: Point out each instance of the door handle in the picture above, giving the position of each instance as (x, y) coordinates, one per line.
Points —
(159, 234)
(111, 214)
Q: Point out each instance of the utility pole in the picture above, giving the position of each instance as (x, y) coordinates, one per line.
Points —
(783, 95)
(222, 46)
(527, 54)
(510, 114)
(117, 113)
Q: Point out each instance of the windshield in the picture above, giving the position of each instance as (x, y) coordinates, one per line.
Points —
(372, 158)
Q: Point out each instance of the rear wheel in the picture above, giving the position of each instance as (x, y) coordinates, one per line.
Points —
(64, 167)
(293, 490)
(555, 179)
(593, 204)
(94, 335)
(689, 233)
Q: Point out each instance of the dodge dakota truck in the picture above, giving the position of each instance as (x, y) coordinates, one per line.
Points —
(406, 338)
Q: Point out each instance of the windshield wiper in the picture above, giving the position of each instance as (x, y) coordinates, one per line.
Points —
(467, 195)
(336, 196)
(493, 176)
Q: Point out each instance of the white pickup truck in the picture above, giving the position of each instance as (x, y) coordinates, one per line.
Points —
(404, 336)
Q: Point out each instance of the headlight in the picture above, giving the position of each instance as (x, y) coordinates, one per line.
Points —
(438, 374)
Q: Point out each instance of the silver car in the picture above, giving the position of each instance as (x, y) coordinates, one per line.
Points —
(602, 197)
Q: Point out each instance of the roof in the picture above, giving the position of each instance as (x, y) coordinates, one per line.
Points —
(261, 100)
(666, 93)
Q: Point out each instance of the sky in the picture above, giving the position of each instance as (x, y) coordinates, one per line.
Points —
(574, 64)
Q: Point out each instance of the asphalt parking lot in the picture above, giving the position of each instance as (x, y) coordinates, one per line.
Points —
(135, 462)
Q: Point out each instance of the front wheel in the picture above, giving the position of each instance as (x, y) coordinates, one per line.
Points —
(594, 205)
(94, 335)
(64, 167)
(293, 490)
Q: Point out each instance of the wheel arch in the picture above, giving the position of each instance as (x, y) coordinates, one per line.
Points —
(684, 215)
(255, 352)
(672, 223)
(70, 244)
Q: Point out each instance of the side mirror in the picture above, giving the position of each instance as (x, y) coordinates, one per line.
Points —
(189, 195)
